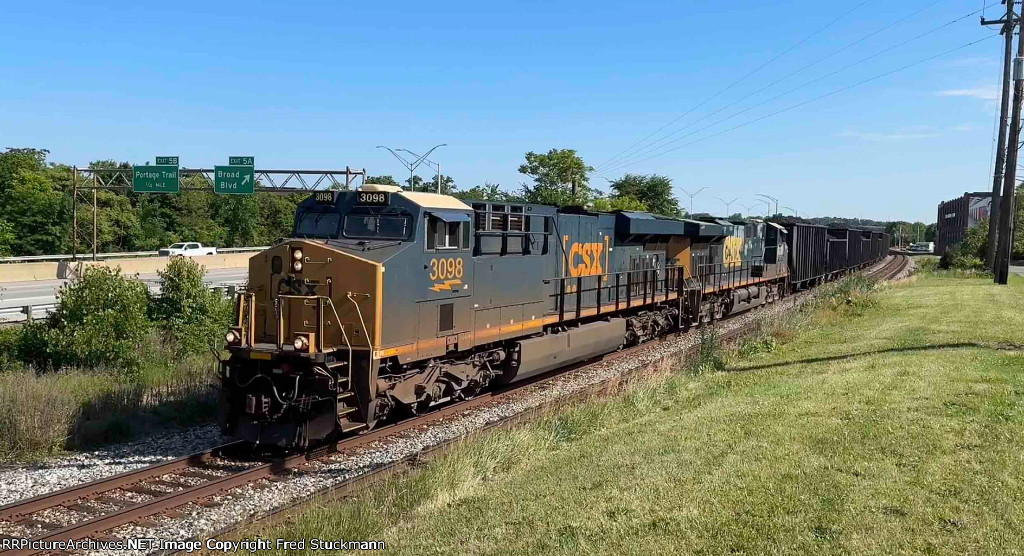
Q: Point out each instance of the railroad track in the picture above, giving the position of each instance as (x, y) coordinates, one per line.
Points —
(91, 510)
(895, 264)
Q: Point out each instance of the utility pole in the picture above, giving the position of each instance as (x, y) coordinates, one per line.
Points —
(691, 196)
(1001, 268)
(1008, 23)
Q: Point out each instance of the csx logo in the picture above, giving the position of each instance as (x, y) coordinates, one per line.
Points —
(585, 259)
(732, 251)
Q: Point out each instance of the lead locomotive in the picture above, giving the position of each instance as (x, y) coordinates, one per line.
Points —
(386, 302)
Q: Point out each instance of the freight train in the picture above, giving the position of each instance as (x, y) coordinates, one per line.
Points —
(386, 302)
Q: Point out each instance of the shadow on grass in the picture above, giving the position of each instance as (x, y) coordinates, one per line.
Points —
(845, 357)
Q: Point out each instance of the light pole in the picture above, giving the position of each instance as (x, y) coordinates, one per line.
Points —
(727, 205)
(772, 198)
(437, 166)
(750, 208)
(414, 164)
(795, 213)
(692, 195)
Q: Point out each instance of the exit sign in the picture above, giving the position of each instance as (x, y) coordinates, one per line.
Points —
(167, 160)
(161, 178)
(241, 161)
(233, 180)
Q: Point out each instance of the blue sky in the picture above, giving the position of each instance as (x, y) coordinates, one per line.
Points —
(320, 84)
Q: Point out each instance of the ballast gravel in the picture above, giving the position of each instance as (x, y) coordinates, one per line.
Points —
(257, 499)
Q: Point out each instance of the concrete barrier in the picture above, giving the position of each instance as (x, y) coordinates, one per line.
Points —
(50, 271)
(28, 272)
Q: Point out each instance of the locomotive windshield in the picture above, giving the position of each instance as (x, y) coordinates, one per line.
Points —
(318, 224)
(374, 226)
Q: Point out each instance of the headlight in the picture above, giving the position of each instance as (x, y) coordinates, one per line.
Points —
(300, 343)
(231, 337)
(297, 266)
(297, 254)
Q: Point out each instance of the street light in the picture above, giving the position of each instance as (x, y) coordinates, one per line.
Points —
(414, 164)
(750, 208)
(692, 195)
(795, 213)
(437, 166)
(727, 205)
(772, 198)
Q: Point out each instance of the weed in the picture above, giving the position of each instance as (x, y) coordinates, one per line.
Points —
(709, 352)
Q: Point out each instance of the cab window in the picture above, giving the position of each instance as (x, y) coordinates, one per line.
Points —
(443, 235)
(374, 226)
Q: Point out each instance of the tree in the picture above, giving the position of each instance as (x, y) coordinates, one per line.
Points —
(554, 175)
(447, 185)
(652, 190)
(488, 192)
(624, 202)
(33, 202)
(382, 180)
(6, 238)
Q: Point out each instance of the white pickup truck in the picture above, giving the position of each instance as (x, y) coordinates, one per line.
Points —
(191, 249)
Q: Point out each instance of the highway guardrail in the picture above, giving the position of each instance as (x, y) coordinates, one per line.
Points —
(105, 256)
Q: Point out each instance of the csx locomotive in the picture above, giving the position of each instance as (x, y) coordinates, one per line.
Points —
(386, 302)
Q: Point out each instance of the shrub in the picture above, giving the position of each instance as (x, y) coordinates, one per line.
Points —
(969, 254)
(191, 316)
(10, 338)
(100, 321)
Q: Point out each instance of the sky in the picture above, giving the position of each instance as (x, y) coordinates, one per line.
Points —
(787, 98)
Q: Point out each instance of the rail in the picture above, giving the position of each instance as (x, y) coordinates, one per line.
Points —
(121, 255)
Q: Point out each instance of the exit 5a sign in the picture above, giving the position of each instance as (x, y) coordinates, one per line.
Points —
(233, 180)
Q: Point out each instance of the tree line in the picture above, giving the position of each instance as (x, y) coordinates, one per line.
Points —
(36, 205)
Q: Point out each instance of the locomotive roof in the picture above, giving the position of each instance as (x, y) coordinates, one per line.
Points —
(434, 200)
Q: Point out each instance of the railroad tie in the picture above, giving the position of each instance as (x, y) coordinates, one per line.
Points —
(143, 489)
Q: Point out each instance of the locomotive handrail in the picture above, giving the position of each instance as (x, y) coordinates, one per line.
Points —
(646, 285)
(319, 325)
(641, 283)
(343, 335)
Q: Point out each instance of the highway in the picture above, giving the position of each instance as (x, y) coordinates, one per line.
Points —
(44, 292)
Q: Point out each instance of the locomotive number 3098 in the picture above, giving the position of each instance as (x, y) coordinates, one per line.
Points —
(445, 269)
(373, 198)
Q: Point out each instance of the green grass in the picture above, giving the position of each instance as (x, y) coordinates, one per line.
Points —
(893, 425)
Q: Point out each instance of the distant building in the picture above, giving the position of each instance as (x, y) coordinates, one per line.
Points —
(959, 215)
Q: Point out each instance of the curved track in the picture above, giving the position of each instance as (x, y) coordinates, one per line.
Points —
(161, 488)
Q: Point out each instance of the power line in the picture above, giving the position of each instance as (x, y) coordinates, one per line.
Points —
(821, 97)
(627, 162)
(737, 82)
(654, 145)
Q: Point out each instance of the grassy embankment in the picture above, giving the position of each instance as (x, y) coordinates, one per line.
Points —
(890, 424)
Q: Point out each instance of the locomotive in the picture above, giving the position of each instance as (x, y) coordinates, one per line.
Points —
(385, 302)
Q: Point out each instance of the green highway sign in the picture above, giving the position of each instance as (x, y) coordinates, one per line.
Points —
(233, 179)
(161, 178)
(167, 160)
(242, 160)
